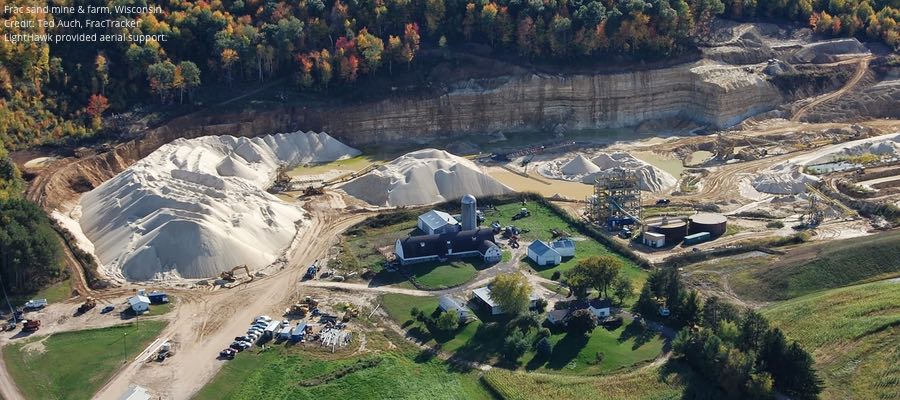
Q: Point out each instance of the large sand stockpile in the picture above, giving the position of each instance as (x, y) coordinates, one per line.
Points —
(787, 177)
(194, 208)
(423, 177)
(583, 169)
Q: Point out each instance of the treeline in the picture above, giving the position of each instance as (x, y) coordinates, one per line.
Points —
(51, 91)
(735, 349)
(30, 253)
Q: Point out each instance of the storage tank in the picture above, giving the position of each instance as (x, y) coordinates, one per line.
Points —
(708, 222)
(469, 213)
(674, 229)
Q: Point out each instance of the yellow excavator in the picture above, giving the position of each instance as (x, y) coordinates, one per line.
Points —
(229, 275)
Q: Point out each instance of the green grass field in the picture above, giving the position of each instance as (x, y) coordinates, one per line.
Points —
(854, 335)
(539, 224)
(74, 365)
(807, 269)
(622, 348)
(289, 373)
(652, 383)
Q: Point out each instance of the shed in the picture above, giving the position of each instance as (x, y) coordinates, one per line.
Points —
(299, 332)
(542, 253)
(483, 297)
(696, 238)
(565, 247)
(139, 303)
(158, 297)
(436, 222)
(136, 392)
(654, 239)
(447, 303)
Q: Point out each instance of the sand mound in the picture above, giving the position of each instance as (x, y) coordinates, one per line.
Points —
(582, 169)
(423, 177)
(194, 208)
(784, 178)
(580, 165)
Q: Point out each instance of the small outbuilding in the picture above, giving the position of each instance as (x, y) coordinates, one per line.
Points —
(653, 239)
(299, 332)
(158, 297)
(542, 253)
(139, 303)
(565, 247)
(447, 303)
(437, 222)
(136, 392)
(482, 297)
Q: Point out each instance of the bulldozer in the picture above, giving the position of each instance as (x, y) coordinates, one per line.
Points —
(229, 275)
(313, 191)
(299, 309)
(88, 304)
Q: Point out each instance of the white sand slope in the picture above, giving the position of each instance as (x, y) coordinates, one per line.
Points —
(194, 208)
(423, 177)
(583, 169)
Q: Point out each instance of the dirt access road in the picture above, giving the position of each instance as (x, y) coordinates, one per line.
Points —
(205, 322)
(862, 67)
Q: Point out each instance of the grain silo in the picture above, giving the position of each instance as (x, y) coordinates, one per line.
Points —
(713, 223)
(469, 213)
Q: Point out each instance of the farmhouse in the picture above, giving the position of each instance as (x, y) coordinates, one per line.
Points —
(482, 297)
(542, 253)
(599, 307)
(437, 222)
(472, 243)
(557, 317)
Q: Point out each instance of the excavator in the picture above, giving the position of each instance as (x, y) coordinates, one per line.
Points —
(229, 275)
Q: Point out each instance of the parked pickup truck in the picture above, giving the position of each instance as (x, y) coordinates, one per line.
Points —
(35, 304)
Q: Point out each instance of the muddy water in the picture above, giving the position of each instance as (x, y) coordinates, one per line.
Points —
(669, 164)
(544, 186)
(698, 157)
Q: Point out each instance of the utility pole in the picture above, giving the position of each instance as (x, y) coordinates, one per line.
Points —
(124, 346)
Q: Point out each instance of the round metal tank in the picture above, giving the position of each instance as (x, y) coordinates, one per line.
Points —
(713, 223)
(469, 213)
(674, 229)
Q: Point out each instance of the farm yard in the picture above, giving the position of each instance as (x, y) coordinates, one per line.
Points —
(74, 365)
(602, 352)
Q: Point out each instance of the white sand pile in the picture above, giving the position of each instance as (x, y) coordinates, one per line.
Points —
(582, 169)
(580, 165)
(423, 177)
(194, 208)
(782, 179)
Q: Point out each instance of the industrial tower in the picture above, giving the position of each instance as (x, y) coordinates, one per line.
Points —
(617, 199)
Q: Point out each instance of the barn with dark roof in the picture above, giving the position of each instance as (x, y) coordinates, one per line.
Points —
(471, 243)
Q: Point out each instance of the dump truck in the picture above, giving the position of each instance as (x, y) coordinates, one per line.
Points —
(31, 325)
(88, 304)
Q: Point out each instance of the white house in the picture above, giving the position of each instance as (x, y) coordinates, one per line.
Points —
(565, 247)
(483, 297)
(557, 317)
(600, 307)
(542, 253)
(139, 303)
(654, 239)
(447, 303)
(437, 222)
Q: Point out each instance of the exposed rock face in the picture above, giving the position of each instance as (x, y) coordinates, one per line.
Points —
(704, 92)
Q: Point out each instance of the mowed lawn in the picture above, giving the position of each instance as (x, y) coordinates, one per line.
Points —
(621, 348)
(74, 365)
(853, 334)
(289, 373)
(538, 226)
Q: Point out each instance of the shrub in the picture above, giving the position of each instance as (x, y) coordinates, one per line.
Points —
(555, 276)
(775, 225)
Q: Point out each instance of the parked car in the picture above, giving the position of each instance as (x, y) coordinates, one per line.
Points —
(662, 202)
(239, 346)
(107, 309)
(227, 354)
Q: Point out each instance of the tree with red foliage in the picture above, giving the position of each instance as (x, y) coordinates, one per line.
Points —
(97, 104)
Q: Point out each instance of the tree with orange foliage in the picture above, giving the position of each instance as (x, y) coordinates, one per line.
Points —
(97, 104)
(410, 42)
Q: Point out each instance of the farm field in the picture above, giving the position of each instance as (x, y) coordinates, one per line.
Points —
(288, 373)
(665, 382)
(823, 266)
(854, 335)
(74, 365)
(622, 348)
